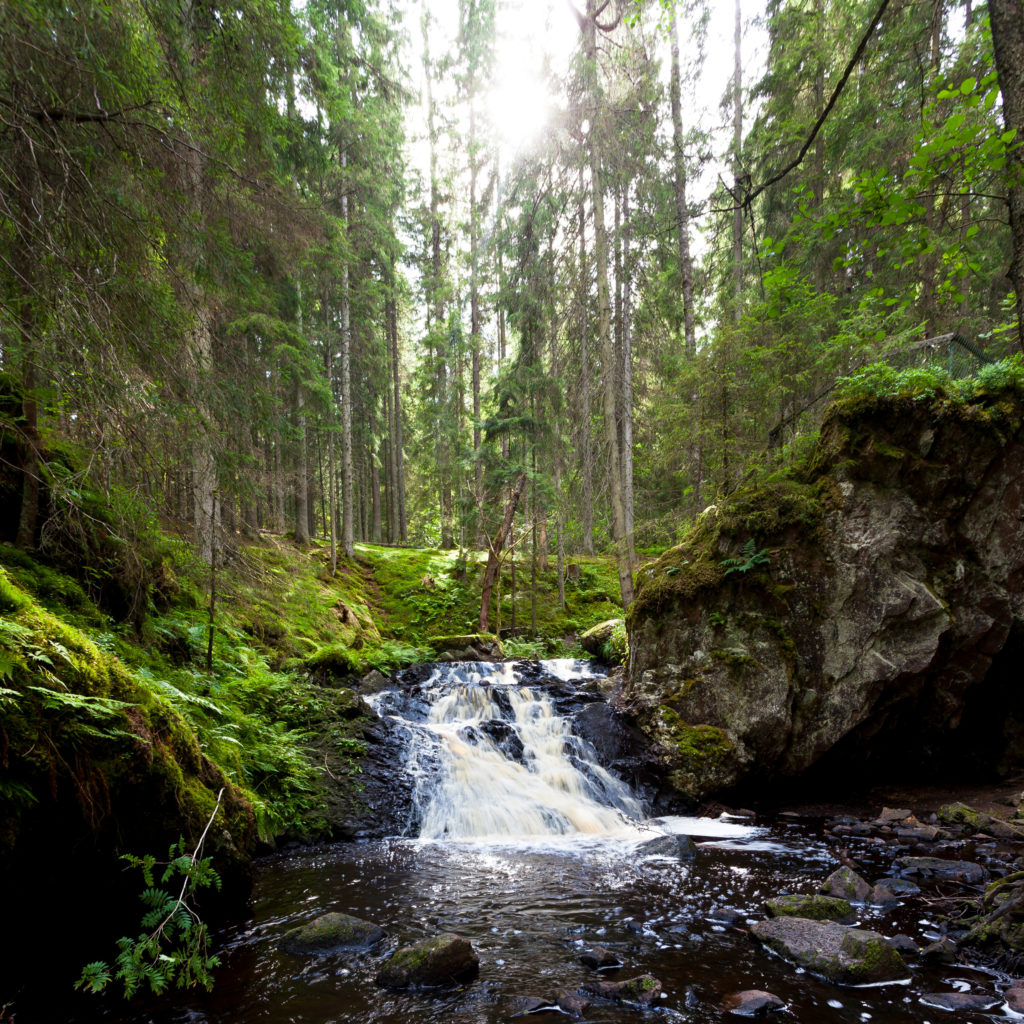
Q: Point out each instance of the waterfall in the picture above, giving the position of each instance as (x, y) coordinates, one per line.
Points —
(493, 758)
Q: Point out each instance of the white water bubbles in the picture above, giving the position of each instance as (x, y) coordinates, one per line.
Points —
(493, 759)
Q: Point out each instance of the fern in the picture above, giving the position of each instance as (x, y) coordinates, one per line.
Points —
(749, 558)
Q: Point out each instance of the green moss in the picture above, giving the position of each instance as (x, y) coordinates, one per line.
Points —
(334, 660)
(814, 908)
(700, 743)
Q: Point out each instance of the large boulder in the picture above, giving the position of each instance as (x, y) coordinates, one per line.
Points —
(606, 641)
(864, 611)
(847, 956)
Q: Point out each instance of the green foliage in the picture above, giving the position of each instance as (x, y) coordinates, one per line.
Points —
(616, 648)
(880, 380)
(749, 558)
(173, 948)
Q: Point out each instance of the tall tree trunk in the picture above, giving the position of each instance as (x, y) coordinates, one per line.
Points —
(1007, 19)
(347, 509)
(627, 384)
(737, 145)
(586, 461)
(402, 528)
(474, 318)
(608, 360)
(682, 210)
(494, 548)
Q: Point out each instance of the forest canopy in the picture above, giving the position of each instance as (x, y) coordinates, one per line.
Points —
(271, 267)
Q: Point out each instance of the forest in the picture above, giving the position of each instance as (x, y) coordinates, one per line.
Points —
(337, 336)
(231, 293)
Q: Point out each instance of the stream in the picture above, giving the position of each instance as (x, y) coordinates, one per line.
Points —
(522, 843)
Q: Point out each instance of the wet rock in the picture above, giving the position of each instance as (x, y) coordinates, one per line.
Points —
(899, 886)
(690, 999)
(1004, 829)
(1014, 996)
(942, 951)
(572, 1003)
(528, 1006)
(643, 990)
(918, 834)
(847, 956)
(813, 908)
(959, 1001)
(600, 959)
(504, 737)
(904, 945)
(891, 815)
(958, 813)
(937, 867)
(858, 829)
(846, 884)
(331, 933)
(752, 1003)
(374, 681)
(883, 897)
(436, 962)
(729, 916)
(681, 847)
(469, 647)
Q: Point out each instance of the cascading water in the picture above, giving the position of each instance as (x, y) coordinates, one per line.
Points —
(495, 759)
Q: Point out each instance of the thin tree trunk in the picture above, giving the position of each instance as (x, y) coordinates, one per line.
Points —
(627, 385)
(347, 510)
(1007, 18)
(494, 549)
(375, 534)
(737, 143)
(586, 461)
(608, 360)
(682, 210)
(301, 493)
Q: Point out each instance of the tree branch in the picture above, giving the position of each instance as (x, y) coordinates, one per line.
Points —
(749, 196)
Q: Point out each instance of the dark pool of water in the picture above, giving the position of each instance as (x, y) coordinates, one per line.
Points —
(530, 911)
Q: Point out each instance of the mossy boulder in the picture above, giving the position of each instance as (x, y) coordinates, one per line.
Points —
(467, 647)
(859, 612)
(846, 956)
(437, 962)
(814, 908)
(607, 641)
(331, 933)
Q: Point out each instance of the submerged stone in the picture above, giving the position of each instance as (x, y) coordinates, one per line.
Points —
(682, 847)
(846, 956)
(752, 1003)
(643, 990)
(436, 962)
(937, 867)
(331, 933)
(600, 959)
(959, 1001)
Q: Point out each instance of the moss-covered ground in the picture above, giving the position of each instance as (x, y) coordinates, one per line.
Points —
(273, 712)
